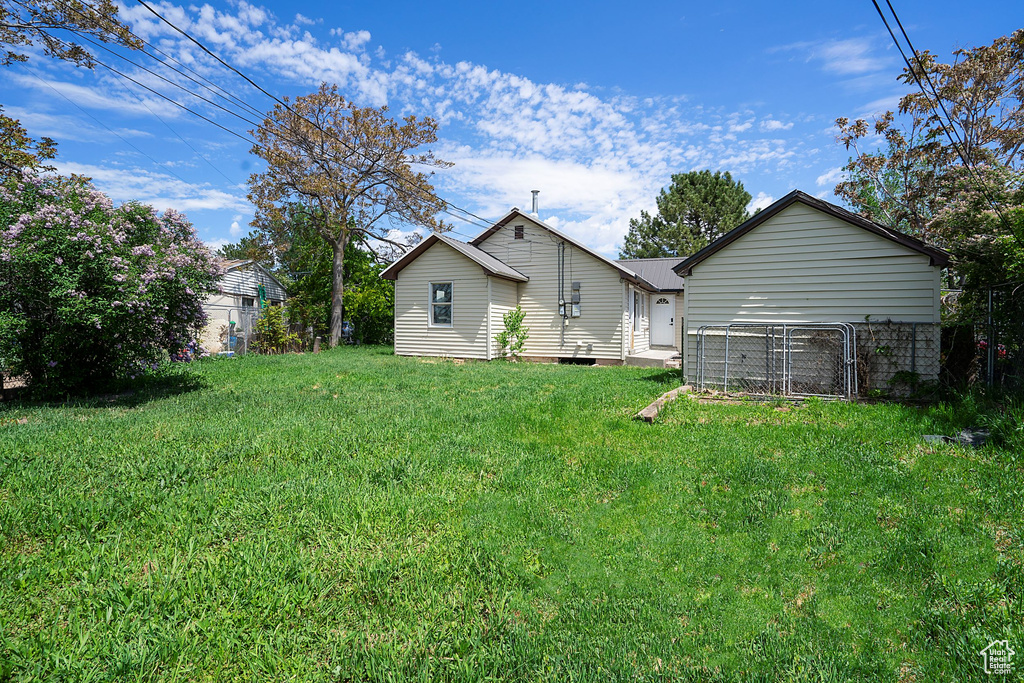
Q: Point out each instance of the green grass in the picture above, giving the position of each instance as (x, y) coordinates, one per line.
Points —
(356, 516)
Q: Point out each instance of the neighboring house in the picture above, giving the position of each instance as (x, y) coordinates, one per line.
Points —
(238, 300)
(799, 260)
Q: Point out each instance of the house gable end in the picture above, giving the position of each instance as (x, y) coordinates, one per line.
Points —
(937, 257)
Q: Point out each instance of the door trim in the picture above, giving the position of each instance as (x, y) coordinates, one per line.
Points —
(669, 330)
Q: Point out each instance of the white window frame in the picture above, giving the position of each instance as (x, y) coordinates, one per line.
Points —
(431, 304)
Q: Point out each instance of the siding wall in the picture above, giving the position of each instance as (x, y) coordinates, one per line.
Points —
(803, 265)
(641, 338)
(467, 338)
(226, 304)
(504, 297)
(679, 323)
(244, 281)
(599, 327)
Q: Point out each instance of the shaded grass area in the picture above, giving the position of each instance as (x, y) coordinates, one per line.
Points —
(357, 516)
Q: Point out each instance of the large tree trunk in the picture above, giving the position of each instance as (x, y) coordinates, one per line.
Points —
(338, 278)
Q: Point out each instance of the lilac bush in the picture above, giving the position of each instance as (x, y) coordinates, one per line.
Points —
(91, 293)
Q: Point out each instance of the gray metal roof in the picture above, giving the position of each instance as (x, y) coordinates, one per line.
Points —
(657, 271)
(491, 265)
(487, 261)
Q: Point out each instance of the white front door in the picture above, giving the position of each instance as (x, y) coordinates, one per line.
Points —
(663, 314)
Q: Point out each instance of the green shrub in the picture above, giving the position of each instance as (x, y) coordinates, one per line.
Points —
(513, 338)
(89, 293)
(271, 333)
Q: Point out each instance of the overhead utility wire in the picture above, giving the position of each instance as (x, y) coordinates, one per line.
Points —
(167, 80)
(286, 106)
(484, 224)
(111, 130)
(954, 139)
(180, 137)
(207, 84)
(446, 210)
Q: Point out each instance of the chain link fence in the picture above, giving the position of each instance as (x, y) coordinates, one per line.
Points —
(834, 360)
(813, 359)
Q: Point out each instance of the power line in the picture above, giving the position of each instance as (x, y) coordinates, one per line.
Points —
(449, 207)
(172, 101)
(167, 80)
(189, 144)
(111, 130)
(285, 105)
(954, 138)
(209, 85)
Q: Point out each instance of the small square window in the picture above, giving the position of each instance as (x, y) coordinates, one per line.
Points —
(520, 232)
(441, 304)
(248, 302)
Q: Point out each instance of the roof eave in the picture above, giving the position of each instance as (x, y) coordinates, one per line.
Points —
(624, 273)
(937, 257)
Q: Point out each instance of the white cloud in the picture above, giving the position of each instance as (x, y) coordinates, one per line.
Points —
(352, 40)
(761, 201)
(108, 94)
(68, 127)
(770, 124)
(881, 105)
(235, 230)
(847, 57)
(159, 190)
(216, 244)
(830, 177)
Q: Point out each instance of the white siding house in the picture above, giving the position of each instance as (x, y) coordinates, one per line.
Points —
(803, 260)
(237, 299)
(444, 303)
(518, 261)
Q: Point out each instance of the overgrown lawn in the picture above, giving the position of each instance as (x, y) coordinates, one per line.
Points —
(357, 516)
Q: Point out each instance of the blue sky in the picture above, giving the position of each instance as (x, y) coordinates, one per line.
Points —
(595, 104)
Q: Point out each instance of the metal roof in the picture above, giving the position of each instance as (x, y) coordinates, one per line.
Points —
(491, 265)
(657, 271)
(235, 264)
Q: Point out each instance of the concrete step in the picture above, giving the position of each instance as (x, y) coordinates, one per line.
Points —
(655, 358)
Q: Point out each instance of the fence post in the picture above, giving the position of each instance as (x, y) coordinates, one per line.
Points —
(725, 379)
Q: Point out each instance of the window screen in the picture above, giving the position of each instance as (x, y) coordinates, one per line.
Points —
(441, 303)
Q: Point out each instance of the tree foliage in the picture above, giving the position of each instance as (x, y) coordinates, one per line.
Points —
(696, 209)
(90, 293)
(45, 22)
(512, 340)
(19, 152)
(295, 252)
(965, 196)
(349, 171)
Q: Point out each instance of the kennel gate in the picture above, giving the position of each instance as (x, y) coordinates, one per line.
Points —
(798, 359)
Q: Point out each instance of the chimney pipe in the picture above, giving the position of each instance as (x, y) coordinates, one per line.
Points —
(536, 209)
